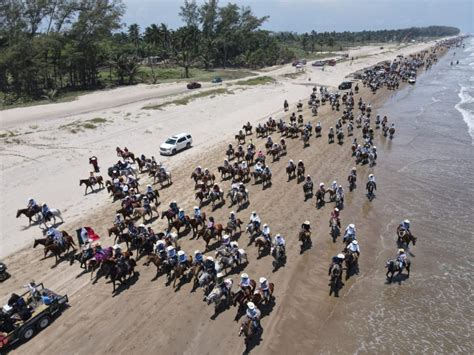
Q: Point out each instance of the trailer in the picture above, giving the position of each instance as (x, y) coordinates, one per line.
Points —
(14, 329)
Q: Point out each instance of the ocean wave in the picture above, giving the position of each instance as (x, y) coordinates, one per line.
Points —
(467, 115)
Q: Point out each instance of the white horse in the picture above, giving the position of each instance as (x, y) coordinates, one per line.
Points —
(54, 213)
(217, 293)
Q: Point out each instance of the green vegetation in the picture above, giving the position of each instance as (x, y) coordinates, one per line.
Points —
(259, 80)
(50, 49)
(79, 126)
(187, 99)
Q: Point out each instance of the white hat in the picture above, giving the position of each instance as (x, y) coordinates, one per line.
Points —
(148, 185)
(141, 226)
(220, 274)
(291, 160)
(262, 280)
(116, 246)
(210, 258)
(340, 256)
(232, 212)
(225, 237)
(197, 252)
(173, 201)
(340, 186)
(265, 225)
(352, 225)
(336, 209)
(196, 207)
(355, 242)
(406, 221)
(321, 184)
(169, 248)
(199, 167)
(244, 276)
(306, 222)
(401, 250)
(278, 236)
(130, 176)
(253, 212)
(334, 182)
(125, 188)
(250, 305)
(300, 161)
(371, 175)
(181, 210)
(235, 244)
(180, 252)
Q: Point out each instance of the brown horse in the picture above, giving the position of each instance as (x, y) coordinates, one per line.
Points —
(405, 237)
(262, 245)
(244, 295)
(98, 181)
(31, 214)
(247, 128)
(320, 198)
(56, 250)
(116, 230)
(206, 234)
(178, 224)
(231, 228)
(305, 238)
(194, 223)
(180, 270)
(141, 212)
(291, 171)
(169, 214)
(352, 181)
(258, 297)
(120, 273)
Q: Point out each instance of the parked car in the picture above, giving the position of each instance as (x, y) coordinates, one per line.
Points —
(318, 63)
(217, 80)
(331, 62)
(412, 80)
(176, 143)
(193, 85)
(345, 85)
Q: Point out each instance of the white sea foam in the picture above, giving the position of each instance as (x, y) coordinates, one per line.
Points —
(467, 114)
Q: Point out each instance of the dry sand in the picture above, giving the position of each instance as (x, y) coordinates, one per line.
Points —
(43, 159)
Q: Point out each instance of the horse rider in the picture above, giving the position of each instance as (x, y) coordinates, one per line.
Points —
(336, 215)
(211, 226)
(183, 259)
(340, 192)
(198, 170)
(174, 207)
(32, 205)
(245, 285)
(232, 223)
(334, 186)
(127, 204)
(46, 212)
(149, 191)
(331, 131)
(146, 205)
(283, 144)
(279, 241)
(260, 155)
(118, 221)
(338, 259)
(171, 255)
(266, 233)
(182, 217)
(159, 248)
(132, 230)
(197, 214)
(308, 184)
(306, 227)
(318, 125)
(267, 171)
(210, 266)
(353, 247)
(243, 190)
(142, 230)
(374, 151)
(269, 141)
(402, 258)
(198, 258)
(353, 172)
(350, 232)
(225, 244)
(234, 251)
(404, 226)
(321, 187)
(371, 181)
(243, 165)
(258, 167)
(117, 251)
(291, 165)
(95, 163)
(253, 314)
(377, 120)
(216, 190)
(264, 288)
(255, 220)
(206, 172)
(309, 127)
(300, 164)
(57, 236)
(92, 178)
(125, 189)
(251, 146)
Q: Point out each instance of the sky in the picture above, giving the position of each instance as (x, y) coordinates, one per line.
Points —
(323, 15)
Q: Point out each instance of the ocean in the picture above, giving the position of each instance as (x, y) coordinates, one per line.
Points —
(425, 174)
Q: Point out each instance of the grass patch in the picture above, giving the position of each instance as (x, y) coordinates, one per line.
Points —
(89, 125)
(187, 99)
(97, 120)
(260, 80)
(293, 75)
(78, 126)
(62, 97)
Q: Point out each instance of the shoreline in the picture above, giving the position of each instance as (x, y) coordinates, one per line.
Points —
(152, 301)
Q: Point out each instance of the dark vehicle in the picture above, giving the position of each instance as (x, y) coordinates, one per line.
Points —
(21, 323)
(299, 61)
(331, 62)
(193, 85)
(217, 80)
(3, 272)
(345, 85)
(319, 63)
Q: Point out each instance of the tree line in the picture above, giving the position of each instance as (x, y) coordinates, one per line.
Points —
(53, 46)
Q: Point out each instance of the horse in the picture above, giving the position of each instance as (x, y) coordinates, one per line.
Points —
(214, 196)
(352, 262)
(180, 270)
(161, 265)
(352, 181)
(393, 266)
(340, 137)
(169, 214)
(162, 178)
(247, 128)
(32, 214)
(305, 238)
(335, 282)
(320, 198)
(291, 171)
(206, 234)
(215, 296)
(244, 295)
(53, 212)
(335, 231)
(279, 256)
(55, 249)
(196, 177)
(116, 230)
(252, 231)
(262, 245)
(178, 224)
(237, 197)
(232, 227)
(330, 137)
(308, 190)
(391, 131)
(370, 190)
(194, 223)
(266, 180)
(300, 171)
(225, 172)
(259, 298)
(240, 137)
(317, 131)
(98, 181)
(405, 237)
(120, 272)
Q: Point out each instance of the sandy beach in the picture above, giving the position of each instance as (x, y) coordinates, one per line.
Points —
(44, 159)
